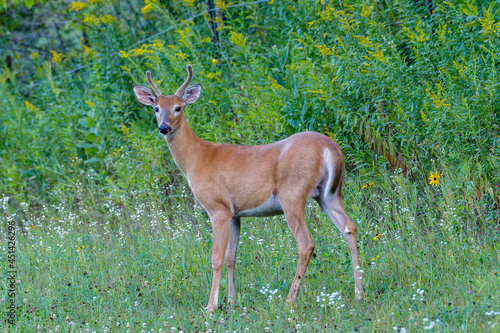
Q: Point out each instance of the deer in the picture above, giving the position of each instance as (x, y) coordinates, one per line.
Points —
(233, 181)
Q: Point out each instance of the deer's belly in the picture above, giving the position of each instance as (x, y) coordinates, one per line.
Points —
(272, 206)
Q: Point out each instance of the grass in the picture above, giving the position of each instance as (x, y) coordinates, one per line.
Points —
(136, 265)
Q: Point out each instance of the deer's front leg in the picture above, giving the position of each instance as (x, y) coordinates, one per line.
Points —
(220, 229)
(294, 214)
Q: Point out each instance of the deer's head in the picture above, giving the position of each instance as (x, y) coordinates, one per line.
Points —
(168, 109)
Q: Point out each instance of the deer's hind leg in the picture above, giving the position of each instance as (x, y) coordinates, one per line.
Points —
(334, 209)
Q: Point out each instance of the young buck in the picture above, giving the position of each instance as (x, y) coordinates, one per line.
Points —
(233, 181)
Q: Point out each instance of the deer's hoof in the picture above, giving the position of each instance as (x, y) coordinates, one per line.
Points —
(360, 295)
(210, 309)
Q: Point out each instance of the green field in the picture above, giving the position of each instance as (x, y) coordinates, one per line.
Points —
(108, 236)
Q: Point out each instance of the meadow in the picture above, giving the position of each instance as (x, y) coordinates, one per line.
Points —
(102, 234)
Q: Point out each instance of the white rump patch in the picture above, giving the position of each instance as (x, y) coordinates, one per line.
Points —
(330, 169)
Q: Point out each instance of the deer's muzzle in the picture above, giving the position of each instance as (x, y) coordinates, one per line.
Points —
(164, 129)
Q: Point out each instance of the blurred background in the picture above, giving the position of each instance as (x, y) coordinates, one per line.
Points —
(407, 85)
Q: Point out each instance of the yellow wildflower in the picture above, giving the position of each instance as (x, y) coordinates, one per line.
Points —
(115, 152)
(437, 98)
(320, 91)
(325, 50)
(340, 42)
(189, 3)
(365, 41)
(375, 258)
(148, 5)
(141, 51)
(185, 35)
(220, 23)
(107, 19)
(424, 118)
(379, 55)
(88, 51)
(57, 57)
(410, 33)
(182, 55)
(221, 4)
(274, 84)
(366, 11)
(332, 136)
(124, 129)
(214, 76)
(215, 61)
(77, 6)
(90, 104)
(80, 248)
(343, 18)
(124, 54)
(434, 179)
(157, 45)
(238, 39)
(377, 236)
(462, 68)
(90, 19)
(30, 106)
(367, 185)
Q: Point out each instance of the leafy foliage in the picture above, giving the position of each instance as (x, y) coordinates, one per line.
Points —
(397, 84)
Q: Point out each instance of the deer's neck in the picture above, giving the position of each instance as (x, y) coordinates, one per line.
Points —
(186, 148)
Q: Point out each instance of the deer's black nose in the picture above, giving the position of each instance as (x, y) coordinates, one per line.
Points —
(164, 129)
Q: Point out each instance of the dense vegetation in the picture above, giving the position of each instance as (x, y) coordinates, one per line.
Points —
(108, 234)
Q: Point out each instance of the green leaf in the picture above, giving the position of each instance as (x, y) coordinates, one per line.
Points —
(303, 108)
(91, 151)
(284, 57)
(85, 145)
(288, 95)
(29, 3)
(93, 160)
(472, 24)
(87, 121)
(470, 10)
(91, 136)
(289, 79)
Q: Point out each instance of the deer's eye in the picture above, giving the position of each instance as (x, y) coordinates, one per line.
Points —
(156, 109)
(177, 108)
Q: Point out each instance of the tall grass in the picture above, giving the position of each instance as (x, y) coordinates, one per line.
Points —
(109, 237)
(145, 261)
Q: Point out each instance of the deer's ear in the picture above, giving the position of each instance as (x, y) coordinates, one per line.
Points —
(144, 95)
(192, 94)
